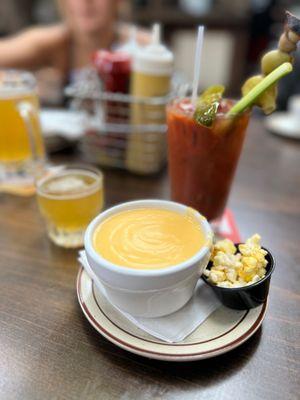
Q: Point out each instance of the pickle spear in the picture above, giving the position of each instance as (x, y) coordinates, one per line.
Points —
(208, 104)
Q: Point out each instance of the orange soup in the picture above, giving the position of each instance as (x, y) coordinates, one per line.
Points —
(148, 238)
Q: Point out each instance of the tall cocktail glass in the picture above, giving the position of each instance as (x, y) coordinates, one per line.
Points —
(203, 160)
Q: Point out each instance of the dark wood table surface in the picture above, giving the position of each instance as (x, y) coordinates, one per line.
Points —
(48, 350)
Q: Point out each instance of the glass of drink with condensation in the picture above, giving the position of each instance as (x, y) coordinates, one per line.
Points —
(69, 197)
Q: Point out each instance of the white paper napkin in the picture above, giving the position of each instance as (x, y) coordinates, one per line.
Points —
(176, 326)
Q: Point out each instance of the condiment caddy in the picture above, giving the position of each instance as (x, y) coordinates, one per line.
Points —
(126, 122)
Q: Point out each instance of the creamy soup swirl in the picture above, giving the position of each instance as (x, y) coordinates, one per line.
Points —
(148, 238)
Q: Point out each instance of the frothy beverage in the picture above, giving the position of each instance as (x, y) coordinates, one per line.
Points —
(69, 200)
(148, 238)
(22, 152)
(15, 144)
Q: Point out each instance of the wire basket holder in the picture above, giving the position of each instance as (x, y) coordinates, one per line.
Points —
(121, 130)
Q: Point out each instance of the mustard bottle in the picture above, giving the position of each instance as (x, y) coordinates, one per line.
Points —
(151, 77)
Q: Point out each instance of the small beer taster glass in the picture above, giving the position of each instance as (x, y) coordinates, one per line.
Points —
(69, 197)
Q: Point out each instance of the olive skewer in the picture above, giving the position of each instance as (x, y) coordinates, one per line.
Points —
(272, 60)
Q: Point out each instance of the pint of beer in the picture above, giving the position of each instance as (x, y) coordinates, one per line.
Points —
(21, 144)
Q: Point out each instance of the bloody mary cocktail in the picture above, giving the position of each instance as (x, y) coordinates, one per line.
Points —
(203, 160)
(206, 135)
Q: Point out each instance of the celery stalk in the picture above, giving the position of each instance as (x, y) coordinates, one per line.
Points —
(268, 81)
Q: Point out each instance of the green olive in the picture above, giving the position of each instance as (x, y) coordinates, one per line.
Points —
(267, 100)
(293, 36)
(273, 59)
(250, 83)
(285, 44)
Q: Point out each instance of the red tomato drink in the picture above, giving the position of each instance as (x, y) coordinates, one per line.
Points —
(203, 160)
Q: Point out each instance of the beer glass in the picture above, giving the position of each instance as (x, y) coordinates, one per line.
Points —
(69, 197)
(21, 144)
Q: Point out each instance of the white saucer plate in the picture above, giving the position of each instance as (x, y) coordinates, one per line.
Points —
(223, 331)
(284, 124)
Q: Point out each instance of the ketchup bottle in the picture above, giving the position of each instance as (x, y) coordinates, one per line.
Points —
(114, 71)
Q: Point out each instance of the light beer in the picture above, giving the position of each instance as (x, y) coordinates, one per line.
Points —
(15, 145)
(69, 200)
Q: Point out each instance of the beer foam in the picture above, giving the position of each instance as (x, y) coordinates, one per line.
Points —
(9, 93)
(66, 185)
(70, 184)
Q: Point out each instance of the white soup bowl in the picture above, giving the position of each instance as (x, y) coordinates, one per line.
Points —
(148, 293)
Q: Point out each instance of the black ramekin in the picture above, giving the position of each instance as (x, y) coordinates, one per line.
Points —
(245, 297)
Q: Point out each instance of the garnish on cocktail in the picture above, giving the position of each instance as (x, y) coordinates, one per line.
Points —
(208, 104)
(259, 90)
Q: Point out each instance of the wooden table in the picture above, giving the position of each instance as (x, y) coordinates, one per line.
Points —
(49, 351)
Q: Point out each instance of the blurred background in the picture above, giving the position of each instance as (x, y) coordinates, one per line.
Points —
(237, 32)
(57, 40)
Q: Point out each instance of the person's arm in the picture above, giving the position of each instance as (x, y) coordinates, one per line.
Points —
(33, 48)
